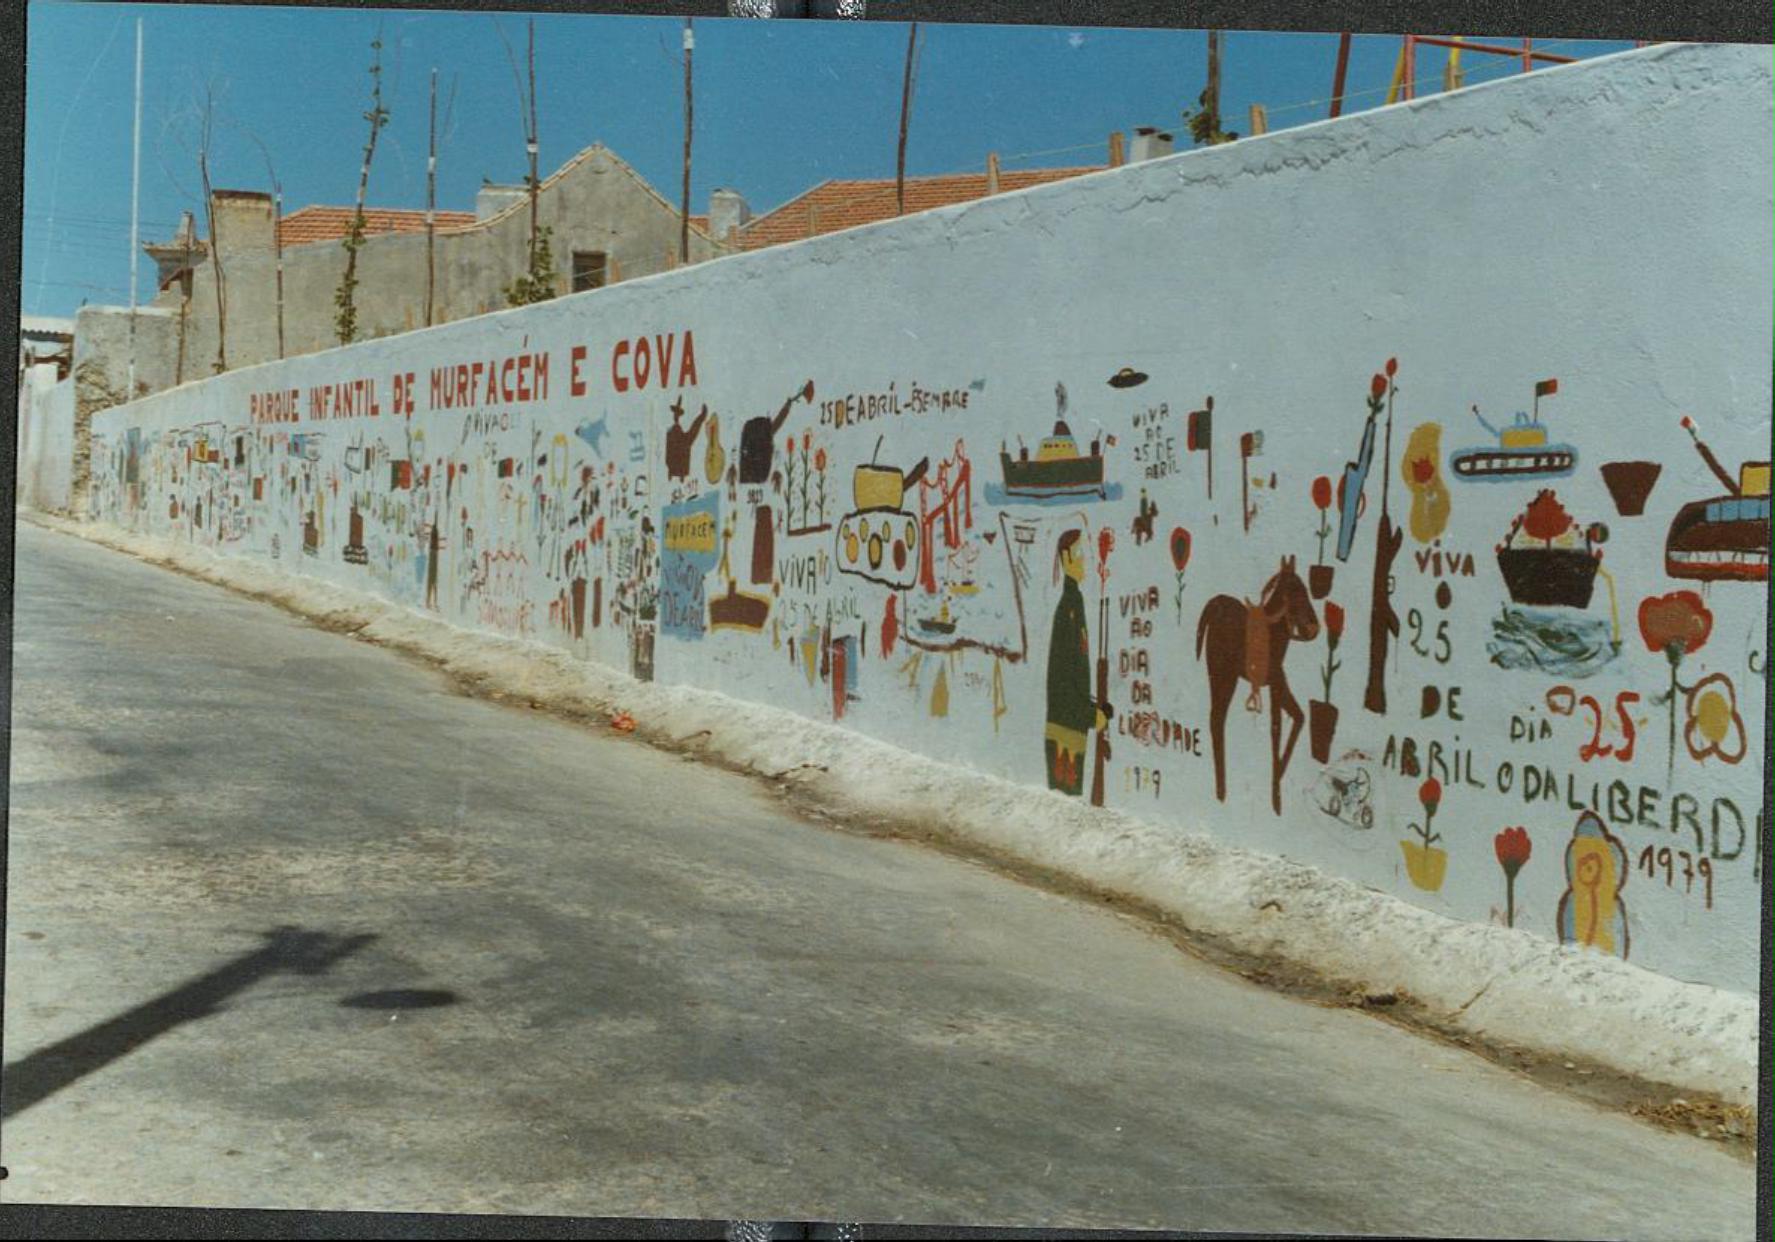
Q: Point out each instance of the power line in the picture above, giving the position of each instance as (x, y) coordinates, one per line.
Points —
(75, 284)
(44, 215)
(60, 221)
(61, 138)
(82, 233)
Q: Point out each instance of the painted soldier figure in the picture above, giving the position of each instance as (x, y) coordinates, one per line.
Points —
(1072, 708)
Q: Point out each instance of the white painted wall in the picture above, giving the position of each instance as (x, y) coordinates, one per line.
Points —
(1605, 224)
(45, 439)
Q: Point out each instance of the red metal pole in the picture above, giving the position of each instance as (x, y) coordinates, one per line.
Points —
(1337, 80)
(1528, 54)
(1469, 46)
(1411, 68)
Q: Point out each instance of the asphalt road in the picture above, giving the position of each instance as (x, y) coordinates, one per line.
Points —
(292, 924)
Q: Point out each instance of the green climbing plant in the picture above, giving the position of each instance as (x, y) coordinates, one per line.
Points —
(538, 283)
(1204, 124)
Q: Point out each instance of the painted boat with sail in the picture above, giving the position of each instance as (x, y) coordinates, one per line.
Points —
(1057, 467)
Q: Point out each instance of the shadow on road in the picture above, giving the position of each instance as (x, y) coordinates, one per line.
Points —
(289, 950)
(400, 998)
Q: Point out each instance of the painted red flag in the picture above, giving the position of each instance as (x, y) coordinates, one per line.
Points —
(1201, 425)
(1546, 388)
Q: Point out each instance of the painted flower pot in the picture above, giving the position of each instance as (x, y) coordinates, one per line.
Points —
(1322, 727)
(764, 543)
(1319, 580)
(1426, 865)
(1629, 483)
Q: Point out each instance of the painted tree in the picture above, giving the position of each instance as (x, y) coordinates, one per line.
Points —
(1546, 519)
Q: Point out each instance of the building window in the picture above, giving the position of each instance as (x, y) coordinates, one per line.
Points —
(588, 270)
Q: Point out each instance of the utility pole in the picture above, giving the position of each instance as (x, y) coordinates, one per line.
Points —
(530, 144)
(905, 112)
(277, 241)
(1213, 83)
(185, 301)
(209, 203)
(431, 200)
(135, 192)
(1337, 77)
(684, 202)
(277, 238)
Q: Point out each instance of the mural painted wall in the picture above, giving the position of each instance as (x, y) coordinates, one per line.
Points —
(1390, 494)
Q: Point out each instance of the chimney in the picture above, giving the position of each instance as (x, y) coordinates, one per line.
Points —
(1116, 157)
(492, 199)
(244, 223)
(175, 258)
(727, 211)
(992, 172)
(1150, 144)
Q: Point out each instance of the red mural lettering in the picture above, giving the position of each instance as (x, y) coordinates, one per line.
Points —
(618, 380)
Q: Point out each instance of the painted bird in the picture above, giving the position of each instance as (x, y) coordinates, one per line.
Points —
(593, 433)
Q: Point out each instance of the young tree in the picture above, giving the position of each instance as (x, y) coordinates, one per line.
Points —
(537, 282)
(345, 322)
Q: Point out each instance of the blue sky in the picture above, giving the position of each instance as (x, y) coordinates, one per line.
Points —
(780, 106)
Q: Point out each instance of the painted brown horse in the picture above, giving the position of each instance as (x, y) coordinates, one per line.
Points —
(1250, 641)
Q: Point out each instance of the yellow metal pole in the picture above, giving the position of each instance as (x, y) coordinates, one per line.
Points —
(1451, 76)
(1398, 77)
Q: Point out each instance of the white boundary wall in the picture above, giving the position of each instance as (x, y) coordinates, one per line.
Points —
(45, 439)
(1606, 225)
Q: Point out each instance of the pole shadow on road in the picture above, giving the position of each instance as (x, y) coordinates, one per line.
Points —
(287, 950)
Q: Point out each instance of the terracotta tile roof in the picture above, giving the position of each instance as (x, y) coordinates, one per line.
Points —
(318, 224)
(835, 205)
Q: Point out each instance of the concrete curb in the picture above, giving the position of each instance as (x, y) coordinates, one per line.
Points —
(1498, 985)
